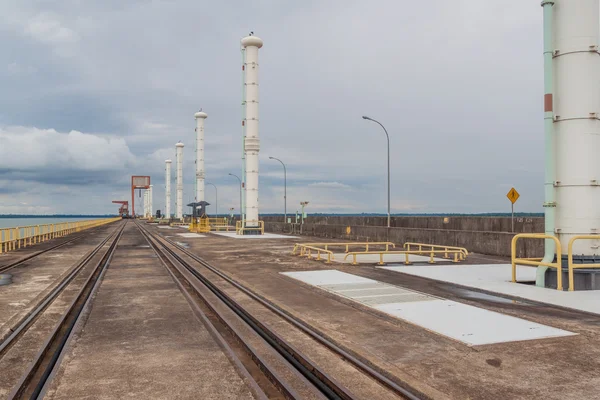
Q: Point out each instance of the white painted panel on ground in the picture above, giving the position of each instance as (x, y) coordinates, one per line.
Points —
(265, 236)
(327, 277)
(468, 324)
(388, 259)
(191, 235)
(165, 227)
(496, 278)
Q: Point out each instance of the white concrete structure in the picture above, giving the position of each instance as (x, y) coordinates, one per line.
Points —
(179, 198)
(145, 204)
(167, 188)
(200, 117)
(251, 44)
(150, 205)
(577, 121)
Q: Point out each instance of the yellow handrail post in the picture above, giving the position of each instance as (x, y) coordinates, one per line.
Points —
(571, 265)
(535, 263)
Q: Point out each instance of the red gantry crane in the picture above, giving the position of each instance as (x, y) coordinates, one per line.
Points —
(124, 209)
(138, 182)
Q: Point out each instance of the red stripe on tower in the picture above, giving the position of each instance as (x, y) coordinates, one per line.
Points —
(548, 102)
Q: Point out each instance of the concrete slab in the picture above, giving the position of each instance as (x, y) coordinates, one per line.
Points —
(328, 277)
(496, 278)
(165, 227)
(471, 325)
(256, 237)
(388, 259)
(462, 322)
(191, 235)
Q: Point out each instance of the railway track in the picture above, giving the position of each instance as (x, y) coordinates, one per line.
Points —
(6, 267)
(216, 299)
(33, 382)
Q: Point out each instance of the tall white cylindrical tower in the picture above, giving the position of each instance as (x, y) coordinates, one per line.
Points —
(577, 122)
(145, 204)
(200, 117)
(167, 189)
(150, 206)
(179, 162)
(251, 44)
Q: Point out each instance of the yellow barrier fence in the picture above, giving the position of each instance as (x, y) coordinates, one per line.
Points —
(23, 236)
(406, 253)
(426, 249)
(308, 251)
(536, 262)
(239, 229)
(570, 258)
(324, 247)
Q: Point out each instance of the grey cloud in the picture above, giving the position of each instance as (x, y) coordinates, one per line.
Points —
(458, 85)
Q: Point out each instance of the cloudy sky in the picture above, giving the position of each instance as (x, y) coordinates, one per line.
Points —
(93, 91)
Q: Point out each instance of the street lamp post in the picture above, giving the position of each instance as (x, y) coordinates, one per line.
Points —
(238, 178)
(216, 199)
(388, 166)
(284, 189)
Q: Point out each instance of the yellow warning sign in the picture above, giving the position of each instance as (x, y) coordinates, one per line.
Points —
(348, 230)
(513, 195)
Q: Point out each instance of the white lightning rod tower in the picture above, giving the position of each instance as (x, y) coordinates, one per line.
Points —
(251, 44)
(168, 189)
(179, 162)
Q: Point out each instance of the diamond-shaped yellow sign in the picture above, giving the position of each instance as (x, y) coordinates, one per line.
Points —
(513, 195)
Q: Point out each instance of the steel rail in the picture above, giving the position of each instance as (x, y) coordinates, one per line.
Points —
(43, 365)
(32, 315)
(325, 384)
(405, 391)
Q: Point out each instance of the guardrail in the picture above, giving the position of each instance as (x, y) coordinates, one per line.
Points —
(307, 251)
(324, 247)
(23, 236)
(431, 254)
(426, 248)
(536, 262)
(239, 229)
(570, 258)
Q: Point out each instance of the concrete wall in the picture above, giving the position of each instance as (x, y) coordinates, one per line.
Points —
(490, 242)
(486, 224)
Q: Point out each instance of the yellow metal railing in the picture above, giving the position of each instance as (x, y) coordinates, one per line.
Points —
(536, 262)
(308, 250)
(239, 229)
(326, 246)
(23, 236)
(570, 258)
(457, 254)
(220, 224)
(426, 248)
(431, 253)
